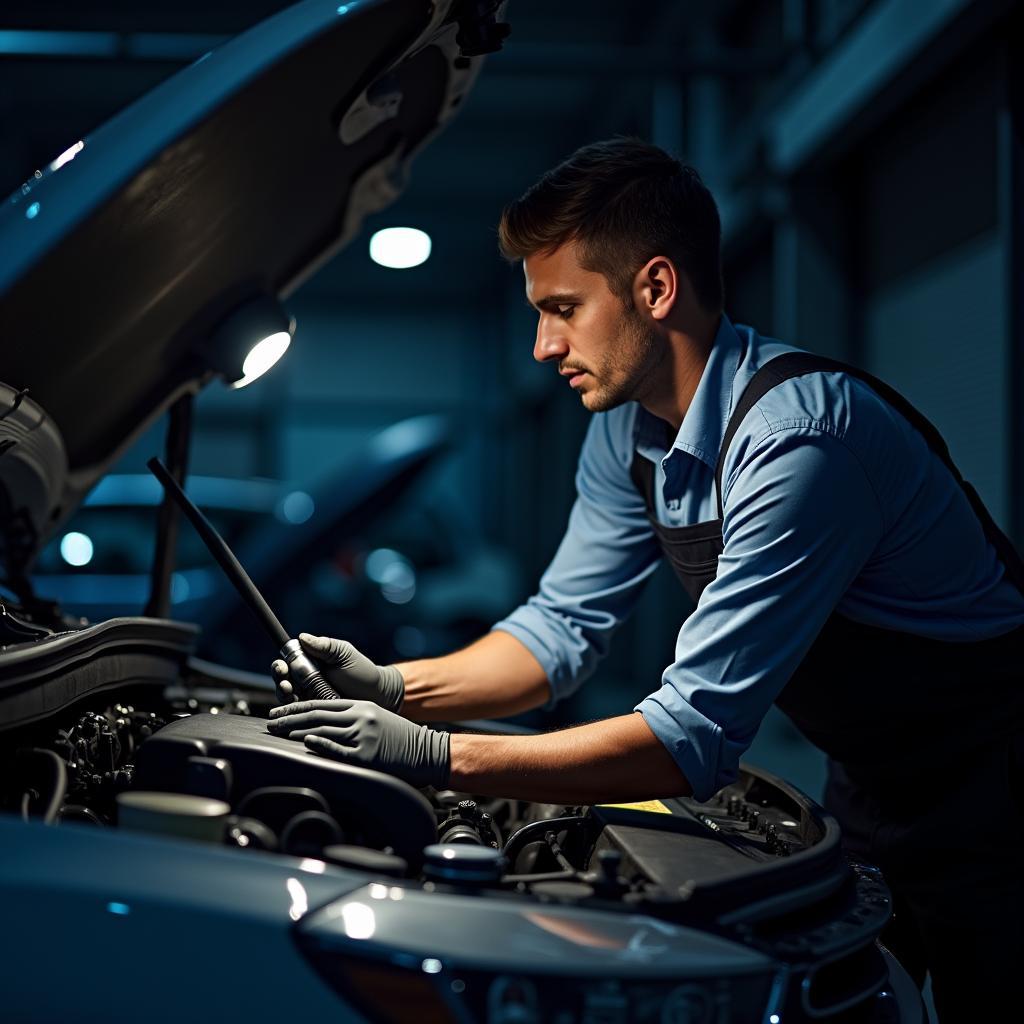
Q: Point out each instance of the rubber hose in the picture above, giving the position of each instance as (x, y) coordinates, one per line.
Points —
(60, 783)
(529, 832)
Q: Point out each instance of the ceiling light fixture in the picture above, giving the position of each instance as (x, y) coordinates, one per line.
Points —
(400, 248)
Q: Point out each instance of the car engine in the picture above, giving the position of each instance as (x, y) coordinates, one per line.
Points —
(759, 864)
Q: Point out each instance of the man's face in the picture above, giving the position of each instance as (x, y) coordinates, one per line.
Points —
(605, 351)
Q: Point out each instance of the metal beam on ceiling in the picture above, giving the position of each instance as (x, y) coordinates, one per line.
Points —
(164, 46)
(889, 38)
(634, 60)
(573, 60)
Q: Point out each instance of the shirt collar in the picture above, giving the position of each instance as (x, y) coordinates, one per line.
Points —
(703, 427)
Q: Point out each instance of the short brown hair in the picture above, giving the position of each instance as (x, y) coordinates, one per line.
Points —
(622, 201)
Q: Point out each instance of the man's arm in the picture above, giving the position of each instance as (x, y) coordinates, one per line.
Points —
(493, 677)
(618, 759)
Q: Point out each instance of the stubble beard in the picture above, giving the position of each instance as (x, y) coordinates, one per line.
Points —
(625, 375)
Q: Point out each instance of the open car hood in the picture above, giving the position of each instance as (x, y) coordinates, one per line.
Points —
(235, 178)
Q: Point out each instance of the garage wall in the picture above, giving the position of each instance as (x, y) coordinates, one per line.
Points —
(933, 319)
(939, 336)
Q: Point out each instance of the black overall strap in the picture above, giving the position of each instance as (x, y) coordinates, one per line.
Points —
(796, 364)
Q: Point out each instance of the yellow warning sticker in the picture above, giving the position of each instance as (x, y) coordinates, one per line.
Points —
(651, 806)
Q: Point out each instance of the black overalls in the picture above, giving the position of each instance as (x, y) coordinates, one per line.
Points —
(924, 744)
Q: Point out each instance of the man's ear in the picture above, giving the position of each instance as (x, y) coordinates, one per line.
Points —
(657, 287)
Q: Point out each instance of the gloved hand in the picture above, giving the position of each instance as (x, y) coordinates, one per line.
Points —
(362, 733)
(350, 673)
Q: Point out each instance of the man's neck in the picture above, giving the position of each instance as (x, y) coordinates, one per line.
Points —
(687, 349)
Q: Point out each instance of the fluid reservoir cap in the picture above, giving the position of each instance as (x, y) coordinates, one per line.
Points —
(173, 814)
(363, 859)
(459, 863)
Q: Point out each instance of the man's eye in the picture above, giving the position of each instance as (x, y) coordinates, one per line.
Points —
(565, 312)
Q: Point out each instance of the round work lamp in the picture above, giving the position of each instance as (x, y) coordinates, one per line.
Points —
(250, 340)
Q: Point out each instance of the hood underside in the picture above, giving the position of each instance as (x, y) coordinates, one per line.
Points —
(235, 178)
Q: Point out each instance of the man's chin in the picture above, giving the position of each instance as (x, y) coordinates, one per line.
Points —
(599, 400)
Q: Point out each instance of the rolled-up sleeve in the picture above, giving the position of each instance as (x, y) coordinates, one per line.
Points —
(801, 519)
(608, 552)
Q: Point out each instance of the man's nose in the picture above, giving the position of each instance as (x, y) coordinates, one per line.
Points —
(550, 343)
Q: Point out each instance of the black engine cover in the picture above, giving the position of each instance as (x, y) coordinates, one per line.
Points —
(389, 811)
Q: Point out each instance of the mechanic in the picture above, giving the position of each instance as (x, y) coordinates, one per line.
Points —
(839, 565)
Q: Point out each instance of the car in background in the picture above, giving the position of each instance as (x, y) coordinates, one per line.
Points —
(369, 550)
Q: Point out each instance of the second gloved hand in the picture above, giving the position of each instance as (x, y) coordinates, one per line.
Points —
(362, 733)
(349, 672)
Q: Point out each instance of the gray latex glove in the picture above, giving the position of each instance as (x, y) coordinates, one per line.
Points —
(362, 733)
(350, 673)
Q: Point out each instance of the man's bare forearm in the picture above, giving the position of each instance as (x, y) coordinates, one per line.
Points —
(493, 677)
(619, 759)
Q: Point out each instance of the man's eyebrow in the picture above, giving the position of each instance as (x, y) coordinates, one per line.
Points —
(556, 299)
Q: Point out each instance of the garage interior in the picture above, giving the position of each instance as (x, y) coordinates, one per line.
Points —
(868, 161)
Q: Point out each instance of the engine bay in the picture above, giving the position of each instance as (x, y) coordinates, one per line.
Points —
(759, 864)
(213, 742)
(285, 799)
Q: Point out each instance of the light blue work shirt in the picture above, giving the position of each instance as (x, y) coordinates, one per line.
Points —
(832, 501)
